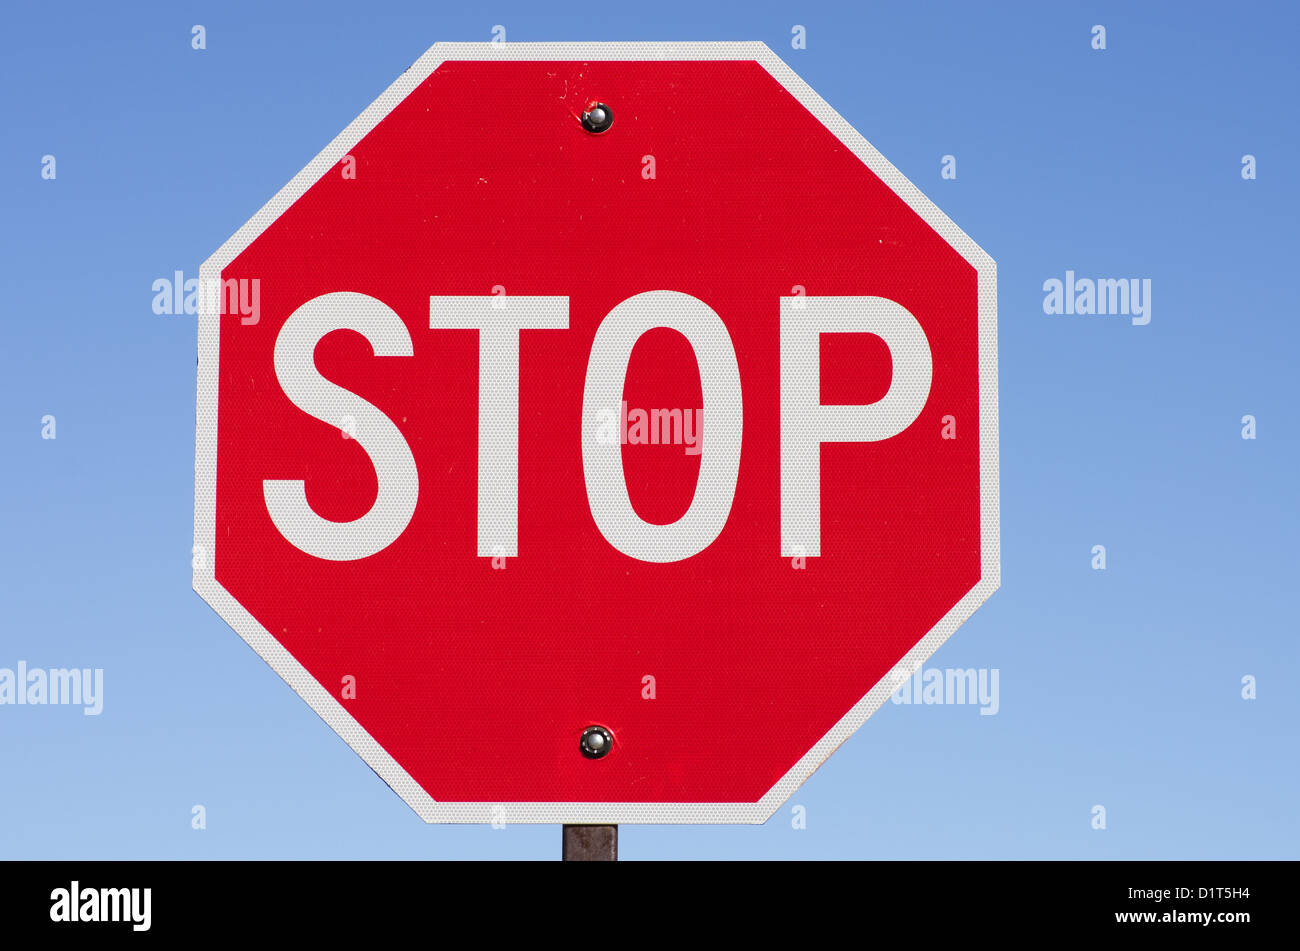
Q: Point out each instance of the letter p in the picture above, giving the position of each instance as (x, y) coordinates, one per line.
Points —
(806, 423)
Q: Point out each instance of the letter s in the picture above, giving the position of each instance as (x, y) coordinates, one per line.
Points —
(295, 368)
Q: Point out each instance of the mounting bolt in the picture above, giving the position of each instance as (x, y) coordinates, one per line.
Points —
(596, 742)
(598, 118)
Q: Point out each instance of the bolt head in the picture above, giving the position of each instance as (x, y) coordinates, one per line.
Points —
(598, 118)
(596, 742)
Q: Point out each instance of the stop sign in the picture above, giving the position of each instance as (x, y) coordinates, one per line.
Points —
(597, 432)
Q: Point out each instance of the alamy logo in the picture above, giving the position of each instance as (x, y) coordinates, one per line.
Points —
(951, 685)
(1103, 297)
(103, 904)
(58, 685)
(656, 427)
(177, 295)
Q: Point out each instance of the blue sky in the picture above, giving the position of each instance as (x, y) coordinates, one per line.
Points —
(1120, 688)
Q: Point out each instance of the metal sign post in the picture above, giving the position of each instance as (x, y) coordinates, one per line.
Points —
(590, 843)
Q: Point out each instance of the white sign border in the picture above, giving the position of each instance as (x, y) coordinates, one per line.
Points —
(329, 708)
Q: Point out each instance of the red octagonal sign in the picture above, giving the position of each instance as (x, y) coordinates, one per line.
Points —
(597, 432)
